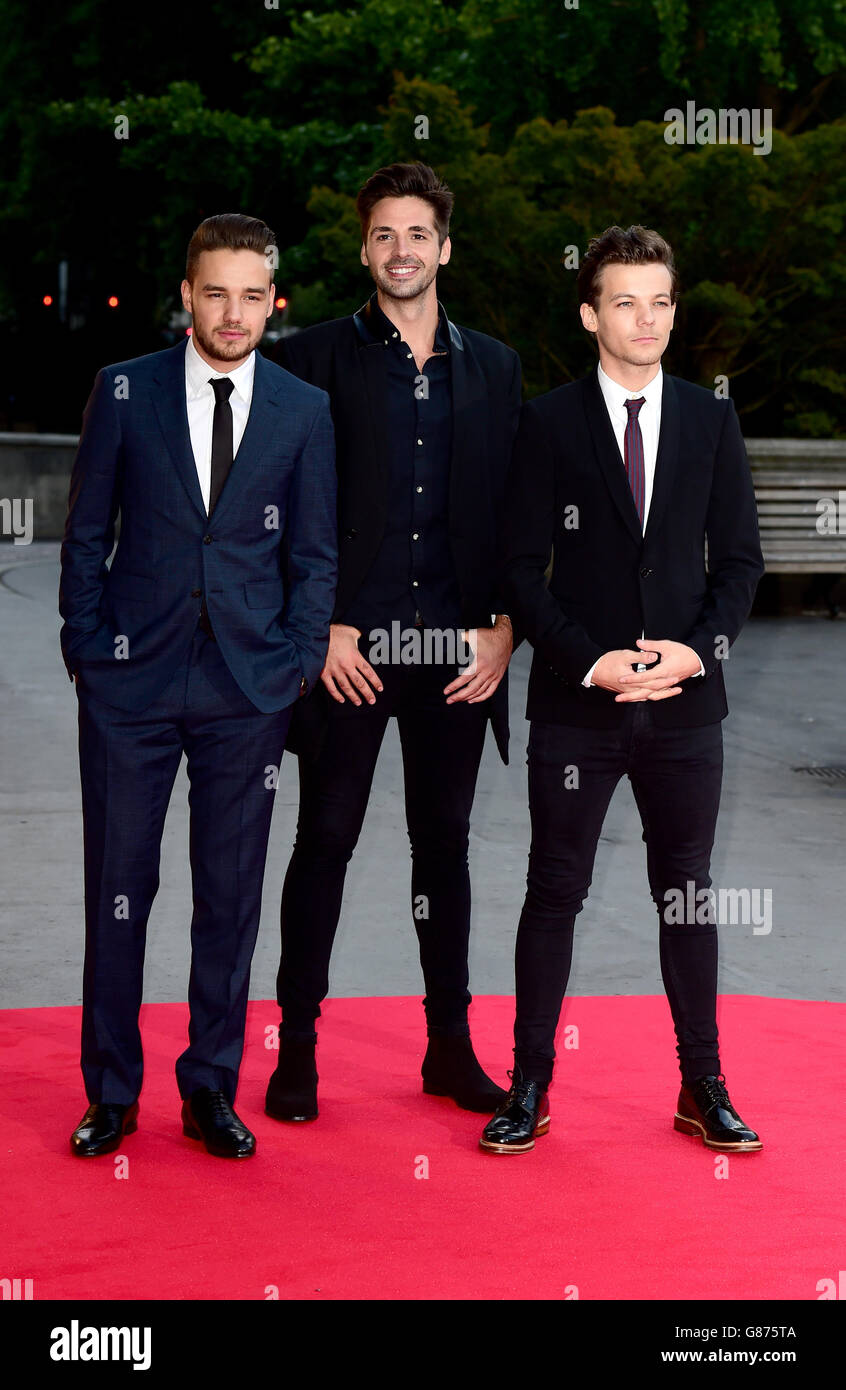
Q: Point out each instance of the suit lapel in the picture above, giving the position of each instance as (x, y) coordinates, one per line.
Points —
(608, 455)
(667, 457)
(170, 407)
(460, 494)
(370, 416)
(169, 403)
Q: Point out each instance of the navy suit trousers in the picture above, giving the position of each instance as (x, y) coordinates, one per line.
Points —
(128, 764)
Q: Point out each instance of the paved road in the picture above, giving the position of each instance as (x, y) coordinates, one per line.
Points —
(779, 830)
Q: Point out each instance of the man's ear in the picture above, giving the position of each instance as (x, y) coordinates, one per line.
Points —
(363, 255)
(446, 252)
(588, 314)
(272, 301)
(185, 291)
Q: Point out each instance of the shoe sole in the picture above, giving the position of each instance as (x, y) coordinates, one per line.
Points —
(290, 1119)
(485, 1109)
(516, 1148)
(683, 1125)
(191, 1133)
(110, 1148)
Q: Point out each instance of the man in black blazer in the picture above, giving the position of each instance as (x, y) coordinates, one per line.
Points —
(425, 414)
(211, 621)
(625, 476)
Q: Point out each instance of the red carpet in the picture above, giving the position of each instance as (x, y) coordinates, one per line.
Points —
(612, 1201)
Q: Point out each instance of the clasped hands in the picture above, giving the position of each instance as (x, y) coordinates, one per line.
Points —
(677, 662)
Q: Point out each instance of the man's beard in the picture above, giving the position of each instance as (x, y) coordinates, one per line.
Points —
(402, 289)
(655, 356)
(223, 351)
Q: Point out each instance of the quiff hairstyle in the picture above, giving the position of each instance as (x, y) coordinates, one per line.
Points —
(406, 181)
(229, 231)
(634, 246)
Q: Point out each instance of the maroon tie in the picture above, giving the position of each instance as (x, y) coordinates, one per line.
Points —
(633, 453)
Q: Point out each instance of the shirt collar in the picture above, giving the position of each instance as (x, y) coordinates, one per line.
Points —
(381, 329)
(198, 373)
(616, 395)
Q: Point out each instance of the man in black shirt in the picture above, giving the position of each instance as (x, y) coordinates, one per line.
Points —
(425, 414)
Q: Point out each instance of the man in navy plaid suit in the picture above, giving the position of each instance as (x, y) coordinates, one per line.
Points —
(210, 622)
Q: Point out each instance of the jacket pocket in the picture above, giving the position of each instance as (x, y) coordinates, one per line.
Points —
(264, 593)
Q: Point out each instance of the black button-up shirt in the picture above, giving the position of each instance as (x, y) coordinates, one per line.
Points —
(412, 578)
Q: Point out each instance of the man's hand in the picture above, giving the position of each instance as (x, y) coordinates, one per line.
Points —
(677, 663)
(346, 672)
(613, 670)
(479, 680)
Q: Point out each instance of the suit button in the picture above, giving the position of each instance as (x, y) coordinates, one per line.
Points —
(207, 540)
(645, 573)
(196, 593)
(350, 535)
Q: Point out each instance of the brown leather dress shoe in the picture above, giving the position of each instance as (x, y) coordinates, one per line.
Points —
(705, 1111)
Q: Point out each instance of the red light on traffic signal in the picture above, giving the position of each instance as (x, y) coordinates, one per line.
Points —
(281, 303)
(47, 300)
(113, 301)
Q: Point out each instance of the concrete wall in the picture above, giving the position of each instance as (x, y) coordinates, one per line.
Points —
(37, 467)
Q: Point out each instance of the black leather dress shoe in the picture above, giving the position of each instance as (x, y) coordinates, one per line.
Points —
(451, 1068)
(102, 1128)
(292, 1089)
(523, 1116)
(705, 1111)
(207, 1115)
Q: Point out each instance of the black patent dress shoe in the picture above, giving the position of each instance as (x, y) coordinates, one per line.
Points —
(207, 1115)
(522, 1117)
(705, 1111)
(292, 1089)
(451, 1068)
(102, 1128)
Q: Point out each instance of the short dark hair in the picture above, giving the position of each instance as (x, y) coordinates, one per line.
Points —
(228, 231)
(406, 181)
(634, 246)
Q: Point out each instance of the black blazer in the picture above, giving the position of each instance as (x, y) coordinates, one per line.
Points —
(609, 583)
(341, 358)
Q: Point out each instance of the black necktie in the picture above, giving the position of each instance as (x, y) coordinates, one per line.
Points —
(221, 453)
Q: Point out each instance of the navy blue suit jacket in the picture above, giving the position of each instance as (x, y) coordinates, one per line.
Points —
(265, 561)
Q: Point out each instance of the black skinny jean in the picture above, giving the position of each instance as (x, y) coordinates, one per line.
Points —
(441, 751)
(676, 777)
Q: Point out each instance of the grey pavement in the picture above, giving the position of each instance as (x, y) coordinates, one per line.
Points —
(779, 830)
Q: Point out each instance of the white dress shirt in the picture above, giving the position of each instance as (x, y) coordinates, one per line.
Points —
(199, 398)
(649, 419)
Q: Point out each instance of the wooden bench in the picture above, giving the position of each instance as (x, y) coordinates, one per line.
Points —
(800, 487)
